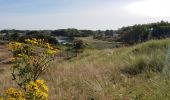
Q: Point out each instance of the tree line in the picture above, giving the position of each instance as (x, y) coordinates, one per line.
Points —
(70, 32)
(143, 32)
(129, 35)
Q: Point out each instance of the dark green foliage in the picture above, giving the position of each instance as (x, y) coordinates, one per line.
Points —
(141, 33)
(15, 36)
(78, 46)
(128, 35)
(32, 33)
(86, 33)
(134, 34)
(38, 35)
(108, 35)
(72, 33)
(109, 32)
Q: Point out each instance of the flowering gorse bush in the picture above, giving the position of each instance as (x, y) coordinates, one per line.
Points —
(30, 59)
(37, 90)
(12, 94)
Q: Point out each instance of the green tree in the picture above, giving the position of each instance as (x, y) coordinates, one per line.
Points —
(15, 36)
(78, 46)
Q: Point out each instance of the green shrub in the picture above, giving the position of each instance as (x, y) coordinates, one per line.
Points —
(142, 63)
(148, 56)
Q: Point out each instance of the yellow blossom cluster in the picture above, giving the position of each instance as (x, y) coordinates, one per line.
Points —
(23, 55)
(21, 49)
(38, 89)
(50, 50)
(34, 91)
(14, 45)
(1, 98)
(47, 45)
(33, 41)
(13, 94)
(42, 43)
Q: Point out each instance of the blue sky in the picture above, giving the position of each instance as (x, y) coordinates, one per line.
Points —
(81, 14)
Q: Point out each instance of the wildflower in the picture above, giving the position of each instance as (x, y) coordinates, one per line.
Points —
(45, 87)
(39, 82)
(44, 95)
(33, 41)
(51, 51)
(38, 89)
(23, 55)
(1, 98)
(48, 46)
(14, 45)
(31, 86)
(13, 94)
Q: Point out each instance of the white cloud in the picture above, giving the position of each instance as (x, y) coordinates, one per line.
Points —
(151, 8)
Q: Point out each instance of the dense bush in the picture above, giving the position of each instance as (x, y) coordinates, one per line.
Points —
(78, 46)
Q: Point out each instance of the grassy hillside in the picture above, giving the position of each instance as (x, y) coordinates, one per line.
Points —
(99, 44)
(128, 73)
(123, 73)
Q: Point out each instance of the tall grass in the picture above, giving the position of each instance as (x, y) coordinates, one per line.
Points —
(166, 69)
(159, 88)
(163, 91)
(100, 74)
(148, 56)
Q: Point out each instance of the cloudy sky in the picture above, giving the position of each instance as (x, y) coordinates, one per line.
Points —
(81, 14)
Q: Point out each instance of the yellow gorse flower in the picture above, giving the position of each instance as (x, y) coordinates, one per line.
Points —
(23, 55)
(14, 45)
(31, 86)
(51, 51)
(41, 43)
(39, 82)
(48, 46)
(1, 98)
(13, 94)
(32, 41)
(38, 89)
(45, 87)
